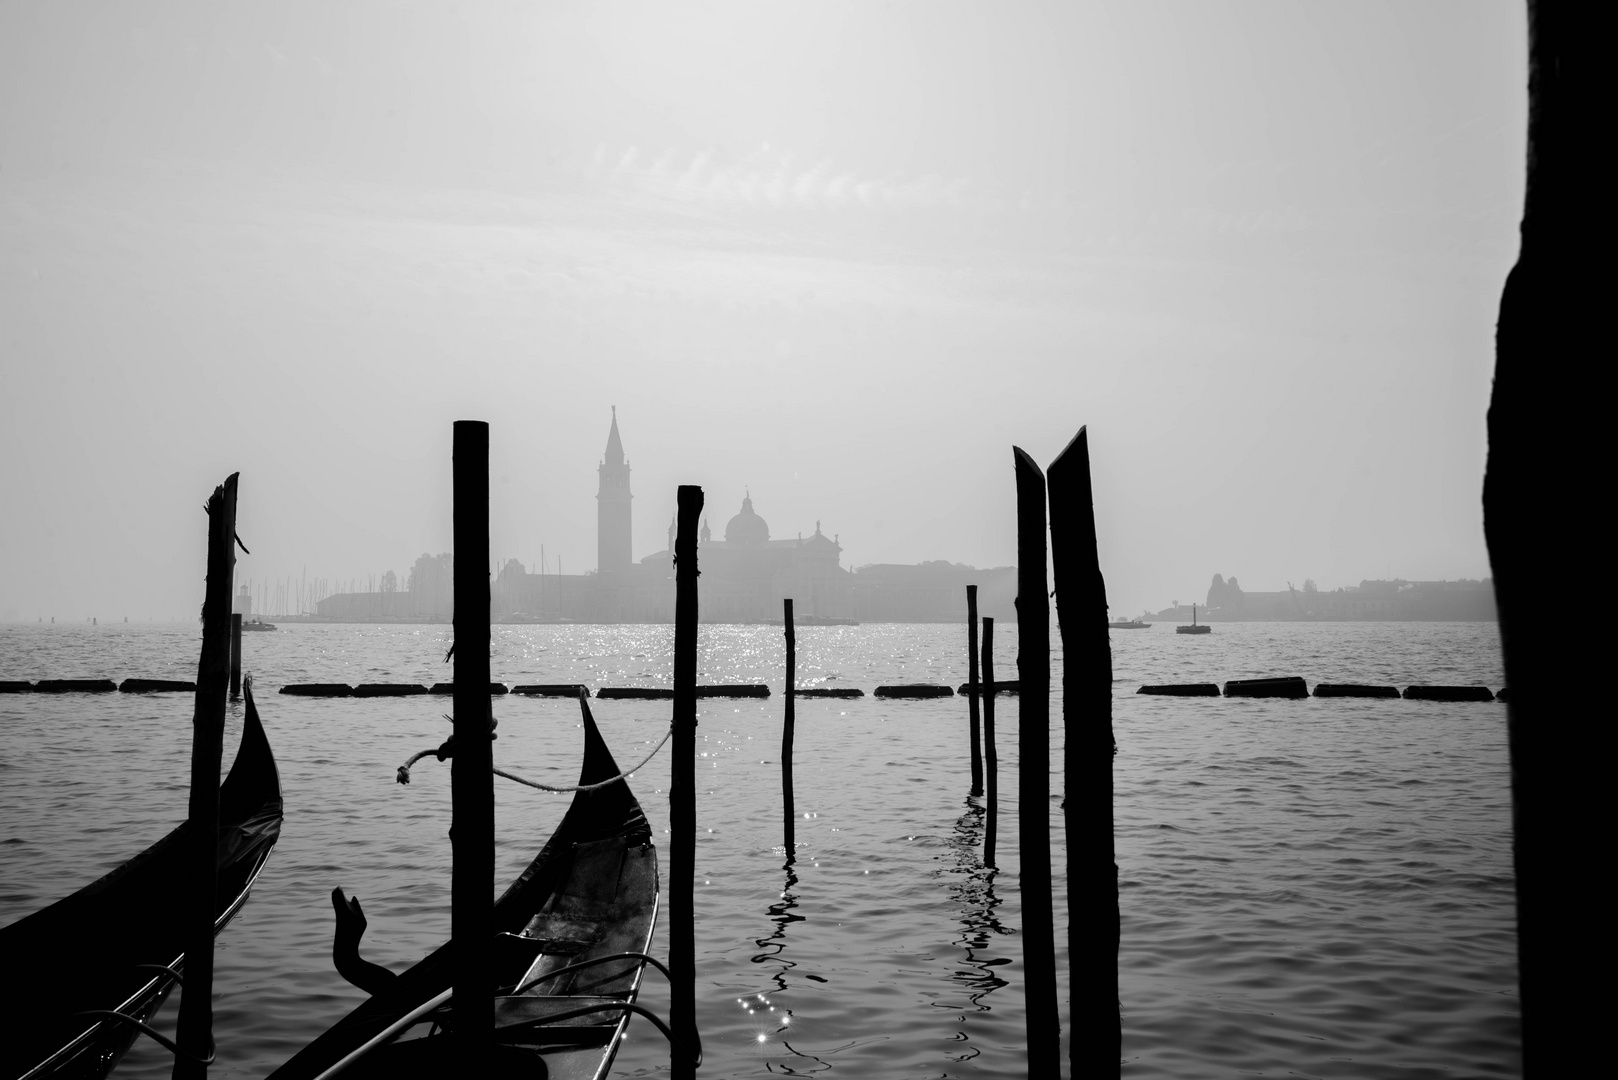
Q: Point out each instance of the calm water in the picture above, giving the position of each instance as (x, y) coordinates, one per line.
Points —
(1310, 888)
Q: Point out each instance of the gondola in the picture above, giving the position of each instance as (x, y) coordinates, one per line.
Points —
(106, 946)
(572, 934)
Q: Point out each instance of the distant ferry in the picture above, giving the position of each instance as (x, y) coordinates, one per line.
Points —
(1128, 624)
(1194, 628)
(256, 623)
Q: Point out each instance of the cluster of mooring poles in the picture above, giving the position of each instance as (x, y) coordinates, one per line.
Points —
(1095, 1041)
(472, 772)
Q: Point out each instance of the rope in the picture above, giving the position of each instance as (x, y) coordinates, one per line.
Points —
(589, 787)
(403, 775)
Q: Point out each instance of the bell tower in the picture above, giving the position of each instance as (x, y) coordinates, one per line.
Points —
(613, 533)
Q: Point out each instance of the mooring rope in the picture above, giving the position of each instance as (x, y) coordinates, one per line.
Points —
(403, 776)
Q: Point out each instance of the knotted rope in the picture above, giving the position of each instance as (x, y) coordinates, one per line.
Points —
(447, 750)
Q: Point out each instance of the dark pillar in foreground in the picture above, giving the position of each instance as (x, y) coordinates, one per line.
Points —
(1096, 1036)
(788, 805)
(471, 769)
(991, 761)
(972, 686)
(235, 656)
(1034, 772)
(1546, 443)
(198, 894)
(683, 791)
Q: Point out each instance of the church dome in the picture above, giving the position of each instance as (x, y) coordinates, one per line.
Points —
(747, 527)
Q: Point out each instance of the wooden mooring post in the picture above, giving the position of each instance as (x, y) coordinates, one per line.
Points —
(471, 768)
(789, 807)
(683, 792)
(991, 760)
(235, 656)
(972, 687)
(198, 894)
(1033, 772)
(1095, 1043)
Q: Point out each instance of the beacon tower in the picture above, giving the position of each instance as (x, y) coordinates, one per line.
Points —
(613, 532)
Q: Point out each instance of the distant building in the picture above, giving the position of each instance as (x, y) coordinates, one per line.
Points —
(745, 576)
(1413, 601)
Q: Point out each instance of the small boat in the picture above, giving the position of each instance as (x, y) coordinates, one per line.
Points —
(572, 934)
(1128, 624)
(257, 624)
(117, 943)
(1194, 628)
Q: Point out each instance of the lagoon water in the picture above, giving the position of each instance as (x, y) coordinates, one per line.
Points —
(1309, 888)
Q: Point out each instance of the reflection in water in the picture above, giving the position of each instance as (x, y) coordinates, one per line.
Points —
(777, 1019)
(972, 887)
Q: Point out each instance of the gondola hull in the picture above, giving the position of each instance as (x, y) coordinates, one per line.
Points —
(590, 893)
(97, 948)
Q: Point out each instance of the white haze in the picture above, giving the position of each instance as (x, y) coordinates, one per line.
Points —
(842, 255)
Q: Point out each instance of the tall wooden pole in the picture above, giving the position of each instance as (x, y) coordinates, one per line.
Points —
(1095, 1045)
(991, 759)
(1544, 428)
(1034, 772)
(972, 688)
(471, 769)
(683, 791)
(789, 807)
(198, 896)
(235, 655)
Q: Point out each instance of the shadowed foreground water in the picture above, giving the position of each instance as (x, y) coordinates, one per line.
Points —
(1317, 888)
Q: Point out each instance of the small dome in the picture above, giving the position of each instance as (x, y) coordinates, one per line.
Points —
(747, 527)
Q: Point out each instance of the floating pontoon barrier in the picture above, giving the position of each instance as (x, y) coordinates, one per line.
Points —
(156, 686)
(1330, 689)
(637, 692)
(736, 690)
(1289, 686)
(567, 689)
(831, 691)
(1449, 693)
(75, 686)
(914, 690)
(387, 689)
(449, 688)
(1186, 689)
(14, 686)
(1013, 686)
(318, 689)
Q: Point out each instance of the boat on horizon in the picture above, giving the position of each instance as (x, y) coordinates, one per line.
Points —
(1195, 627)
(256, 623)
(1129, 624)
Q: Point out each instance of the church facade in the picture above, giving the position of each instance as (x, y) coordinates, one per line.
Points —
(745, 575)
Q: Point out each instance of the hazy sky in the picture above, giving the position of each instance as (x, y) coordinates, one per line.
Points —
(844, 255)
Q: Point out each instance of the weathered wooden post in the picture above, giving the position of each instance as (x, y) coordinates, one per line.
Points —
(471, 769)
(992, 760)
(972, 688)
(198, 894)
(1034, 772)
(1095, 1044)
(790, 840)
(1543, 427)
(235, 656)
(683, 792)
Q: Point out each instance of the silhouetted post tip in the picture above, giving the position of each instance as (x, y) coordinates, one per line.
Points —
(1033, 771)
(973, 688)
(471, 775)
(682, 790)
(1095, 1043)
(194, 1032)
